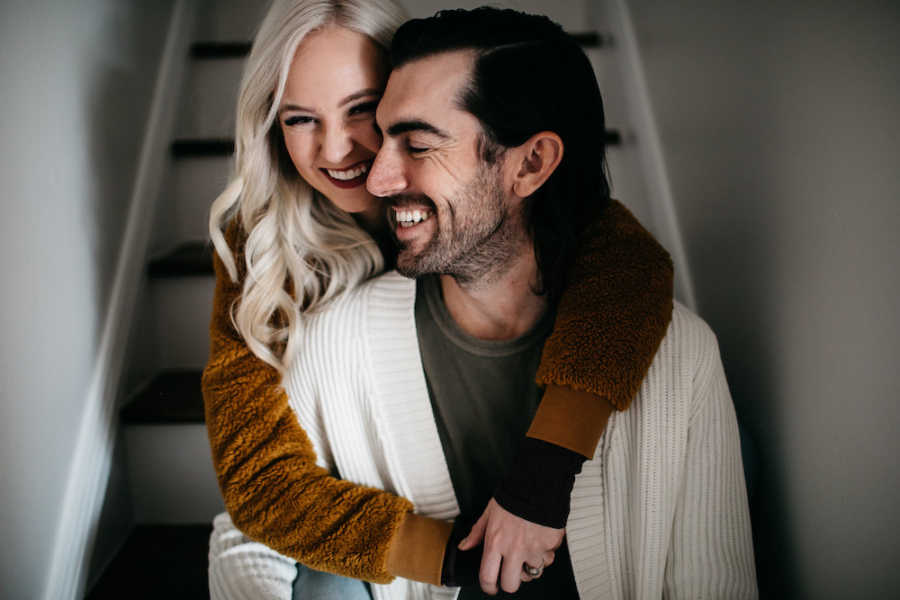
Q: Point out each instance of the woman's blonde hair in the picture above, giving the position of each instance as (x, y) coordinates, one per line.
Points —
(301, 250)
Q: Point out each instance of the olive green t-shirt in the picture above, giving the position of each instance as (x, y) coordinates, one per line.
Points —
(484, 397)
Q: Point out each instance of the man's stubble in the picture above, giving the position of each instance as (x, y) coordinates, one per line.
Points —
(479, 237)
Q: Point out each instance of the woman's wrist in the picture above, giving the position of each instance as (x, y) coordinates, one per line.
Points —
(417, 550)
(539, 483)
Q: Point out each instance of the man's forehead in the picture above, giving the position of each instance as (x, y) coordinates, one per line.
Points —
(427, 84)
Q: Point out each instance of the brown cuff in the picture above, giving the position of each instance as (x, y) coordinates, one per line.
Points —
(417, 551)
(570, 418)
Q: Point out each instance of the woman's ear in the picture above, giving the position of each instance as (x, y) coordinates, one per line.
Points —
(537, 159)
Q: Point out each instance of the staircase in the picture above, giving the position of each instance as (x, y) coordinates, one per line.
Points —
(168, 474)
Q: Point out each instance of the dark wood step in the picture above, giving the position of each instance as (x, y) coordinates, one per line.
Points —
(240, 49)
(187, 259)
(171, 397)
(226, 50)
(197, 147)
(158, 561)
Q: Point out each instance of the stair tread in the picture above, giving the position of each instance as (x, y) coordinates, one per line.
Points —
(158, 561)
(172, 396)
(189, 258)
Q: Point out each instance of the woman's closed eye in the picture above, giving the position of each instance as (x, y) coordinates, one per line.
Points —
(298, 120)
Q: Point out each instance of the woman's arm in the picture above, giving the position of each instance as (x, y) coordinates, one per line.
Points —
(267, 471)
(612, 319)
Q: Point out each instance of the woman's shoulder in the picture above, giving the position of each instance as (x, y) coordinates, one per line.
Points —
(382, 298)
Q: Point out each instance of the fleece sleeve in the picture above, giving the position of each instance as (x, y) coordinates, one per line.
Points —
(610, 321)
(266, 467)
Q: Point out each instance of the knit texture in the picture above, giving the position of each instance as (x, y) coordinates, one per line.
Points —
(266, 465)
(615, 312)
(659, 512)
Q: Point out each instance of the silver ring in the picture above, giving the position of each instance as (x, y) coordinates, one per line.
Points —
(532, 571)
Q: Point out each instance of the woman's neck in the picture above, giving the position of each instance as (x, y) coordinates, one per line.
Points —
(374, 222)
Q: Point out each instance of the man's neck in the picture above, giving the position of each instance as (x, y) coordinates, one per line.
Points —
(501, 308)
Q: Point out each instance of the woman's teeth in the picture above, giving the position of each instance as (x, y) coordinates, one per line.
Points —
(349, 173)
(408, 218)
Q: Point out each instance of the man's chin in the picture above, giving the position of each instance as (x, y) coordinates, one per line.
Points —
(408, 266)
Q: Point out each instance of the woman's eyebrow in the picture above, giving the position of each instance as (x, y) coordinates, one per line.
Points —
(354, 96)
(285, 107)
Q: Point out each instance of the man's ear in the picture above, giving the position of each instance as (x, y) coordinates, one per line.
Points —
(537, 159)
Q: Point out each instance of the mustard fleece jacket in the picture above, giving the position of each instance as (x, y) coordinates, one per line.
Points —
(610, 322)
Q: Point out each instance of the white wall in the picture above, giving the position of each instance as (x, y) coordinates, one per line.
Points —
(77, 80)
(780, 124)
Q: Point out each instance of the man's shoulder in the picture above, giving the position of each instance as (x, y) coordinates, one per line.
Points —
(689, 341)
(687, 323)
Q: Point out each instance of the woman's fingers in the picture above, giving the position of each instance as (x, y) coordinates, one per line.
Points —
(511, 575)
(476, 534)
(549, 557)
(490, 568)
(510, 541)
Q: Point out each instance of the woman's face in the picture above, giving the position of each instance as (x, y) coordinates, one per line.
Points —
(327, 114)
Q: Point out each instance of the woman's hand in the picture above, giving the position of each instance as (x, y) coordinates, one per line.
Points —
(510, 541)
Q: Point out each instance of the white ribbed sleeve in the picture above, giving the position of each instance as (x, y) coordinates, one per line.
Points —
(660, 511)
(241, 569)
(710, 550)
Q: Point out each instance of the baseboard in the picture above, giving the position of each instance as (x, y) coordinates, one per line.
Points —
(86, 485)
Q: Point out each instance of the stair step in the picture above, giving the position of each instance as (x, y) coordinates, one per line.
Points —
(158, 561)
(173, 396)
(207, 50)
(202, 147)
(187, 259)
(238, 49)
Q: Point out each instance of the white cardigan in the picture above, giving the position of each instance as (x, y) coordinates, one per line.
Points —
(660, 511)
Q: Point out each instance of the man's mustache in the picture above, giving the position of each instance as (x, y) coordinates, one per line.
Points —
(401, 200)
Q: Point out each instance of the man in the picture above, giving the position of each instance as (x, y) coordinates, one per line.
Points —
(492, 161)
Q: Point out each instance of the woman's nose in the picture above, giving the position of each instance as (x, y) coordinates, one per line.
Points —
(336, 144)
(386, 177)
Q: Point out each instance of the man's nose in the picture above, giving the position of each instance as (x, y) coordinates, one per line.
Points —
(386, 177)
(336, 144)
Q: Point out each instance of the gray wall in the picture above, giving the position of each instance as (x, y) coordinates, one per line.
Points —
(780, 124)
(77, 79)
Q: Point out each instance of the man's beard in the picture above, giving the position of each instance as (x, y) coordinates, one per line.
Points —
(478, 239)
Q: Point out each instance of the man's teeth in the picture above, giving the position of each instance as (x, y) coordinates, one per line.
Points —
(349, 173)
(408, 218)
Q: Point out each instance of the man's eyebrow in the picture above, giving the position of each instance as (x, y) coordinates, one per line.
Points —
(416, 125)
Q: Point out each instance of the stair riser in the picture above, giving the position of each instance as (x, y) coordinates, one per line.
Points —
(181, 311)
(210, 100)
(171, 474)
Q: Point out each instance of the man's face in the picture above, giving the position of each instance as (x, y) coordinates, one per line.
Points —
(450, 210)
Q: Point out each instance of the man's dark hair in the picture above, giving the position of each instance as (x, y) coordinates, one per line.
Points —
(529, 76)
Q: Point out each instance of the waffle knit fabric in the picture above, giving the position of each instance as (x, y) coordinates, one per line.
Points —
(659, 512)
(617, 307)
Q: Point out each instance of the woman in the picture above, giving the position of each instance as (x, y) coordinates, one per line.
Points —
(300, 229)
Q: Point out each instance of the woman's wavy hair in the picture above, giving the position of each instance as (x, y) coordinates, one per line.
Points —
(301, 251)
(529, 76)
